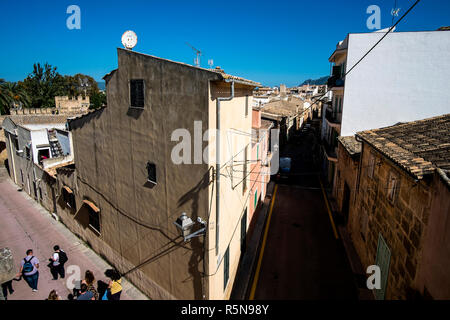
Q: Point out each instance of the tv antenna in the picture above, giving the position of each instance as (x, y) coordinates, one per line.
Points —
(198, 53)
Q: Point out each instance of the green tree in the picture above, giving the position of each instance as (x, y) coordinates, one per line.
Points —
(12, 95)
(42, 85)
(97, 100)
(80, 84)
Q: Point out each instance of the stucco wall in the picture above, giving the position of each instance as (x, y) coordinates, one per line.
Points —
(233, 200)
(112, 147)
(405, 78)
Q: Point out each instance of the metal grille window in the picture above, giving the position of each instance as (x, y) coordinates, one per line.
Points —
(226, 267)
(137, 96)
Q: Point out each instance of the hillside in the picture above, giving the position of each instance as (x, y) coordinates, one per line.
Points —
(320, 81)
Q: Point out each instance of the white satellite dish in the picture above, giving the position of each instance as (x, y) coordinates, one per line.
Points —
(129, 39)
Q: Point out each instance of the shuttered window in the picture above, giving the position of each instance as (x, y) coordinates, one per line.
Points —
(137, 93)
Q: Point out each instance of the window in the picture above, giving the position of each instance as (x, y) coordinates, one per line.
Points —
(69, 198)
(151, 171)
(43, 154)
(94, 216)
(246, 106)
(27, 152)
(137, 93)
(256, 199)
(371, 166)
(244, 178)
(393, 185)
(226, 268)
(257, 152)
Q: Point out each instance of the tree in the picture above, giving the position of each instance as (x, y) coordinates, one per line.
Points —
(42, 85)
(97, 100)
(80, 84)
(12, 95)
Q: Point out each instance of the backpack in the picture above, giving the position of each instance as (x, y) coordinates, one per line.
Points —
(62, 257)
(28, 266)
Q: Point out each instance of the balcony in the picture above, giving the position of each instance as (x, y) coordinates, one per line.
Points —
(333, 117)
(330, 150)
(335, 82)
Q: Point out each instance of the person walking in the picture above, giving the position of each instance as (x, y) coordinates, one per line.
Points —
(115, 285)
(85, 294)
(89, 280)
(29, 270)
(53, 295)
(58, 259)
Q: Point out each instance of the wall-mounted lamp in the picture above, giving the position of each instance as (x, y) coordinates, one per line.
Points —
(185, 224)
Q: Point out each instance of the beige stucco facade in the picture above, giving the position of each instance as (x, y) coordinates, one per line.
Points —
(112, 147)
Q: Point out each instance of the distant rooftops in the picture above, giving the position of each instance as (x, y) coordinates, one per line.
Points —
(419, 147)
(283, 108)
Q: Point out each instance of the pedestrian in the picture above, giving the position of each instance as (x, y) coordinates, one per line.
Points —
(7, 286)
(85, 294)
(53, 295)
(89, 280)
(58, 259)
(115, 284)
(29, 270)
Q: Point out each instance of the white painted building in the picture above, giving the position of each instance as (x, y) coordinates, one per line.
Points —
(405, 78)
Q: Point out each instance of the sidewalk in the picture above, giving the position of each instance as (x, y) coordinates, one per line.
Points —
(244, 276)
(359, 273)
(26, 225)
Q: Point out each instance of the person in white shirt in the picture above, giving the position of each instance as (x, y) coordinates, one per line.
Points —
(57, 267)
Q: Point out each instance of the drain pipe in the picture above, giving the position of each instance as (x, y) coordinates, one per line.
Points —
(218, 165)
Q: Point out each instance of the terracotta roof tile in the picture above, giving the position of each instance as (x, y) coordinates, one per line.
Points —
(418, 146)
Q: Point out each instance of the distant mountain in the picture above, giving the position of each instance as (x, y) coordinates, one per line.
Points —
(316, 82)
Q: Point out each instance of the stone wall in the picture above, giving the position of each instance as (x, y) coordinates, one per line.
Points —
(402, 222)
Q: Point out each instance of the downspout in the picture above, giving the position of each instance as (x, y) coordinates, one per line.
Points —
(218, 164)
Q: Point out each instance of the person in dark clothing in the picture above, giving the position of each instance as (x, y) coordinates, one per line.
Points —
(57, 267)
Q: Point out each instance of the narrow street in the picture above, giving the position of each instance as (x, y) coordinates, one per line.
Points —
(24, 224)
(302, 258)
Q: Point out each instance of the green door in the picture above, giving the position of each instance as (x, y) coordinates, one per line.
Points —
(383, 260)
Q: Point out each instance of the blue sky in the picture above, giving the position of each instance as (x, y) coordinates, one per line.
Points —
(271, 42)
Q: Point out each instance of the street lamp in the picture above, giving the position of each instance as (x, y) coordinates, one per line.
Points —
(185, 225)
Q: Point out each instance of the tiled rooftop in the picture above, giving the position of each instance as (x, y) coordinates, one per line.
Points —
(419, 146)
(351, 144)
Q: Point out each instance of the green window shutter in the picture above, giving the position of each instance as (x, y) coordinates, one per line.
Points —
(256, 198)
(382, 260)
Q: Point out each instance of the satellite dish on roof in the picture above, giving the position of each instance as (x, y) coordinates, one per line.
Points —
(129, 39)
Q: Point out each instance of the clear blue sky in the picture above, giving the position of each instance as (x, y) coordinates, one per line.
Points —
(271, 42)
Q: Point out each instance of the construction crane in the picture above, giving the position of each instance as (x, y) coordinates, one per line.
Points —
(198, 53)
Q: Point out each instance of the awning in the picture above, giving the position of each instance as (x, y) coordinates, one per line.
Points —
(68, 189)
(93, 206)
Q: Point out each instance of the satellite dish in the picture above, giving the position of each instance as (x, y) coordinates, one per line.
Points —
(129, 39)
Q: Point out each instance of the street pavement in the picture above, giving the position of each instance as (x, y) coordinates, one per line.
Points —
(24, 224)
(302, 258)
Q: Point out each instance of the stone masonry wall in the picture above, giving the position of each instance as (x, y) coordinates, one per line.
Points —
(401, 222)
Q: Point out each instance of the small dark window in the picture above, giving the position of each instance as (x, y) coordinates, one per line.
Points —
(27, 152)
(94, 219)
(226, 268)
(69, 199)
(137, 93)
(151, 171)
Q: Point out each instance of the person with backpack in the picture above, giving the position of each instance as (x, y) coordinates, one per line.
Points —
(29, 270)
(58, 259)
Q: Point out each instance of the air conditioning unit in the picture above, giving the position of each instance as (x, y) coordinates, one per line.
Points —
(19, 152)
